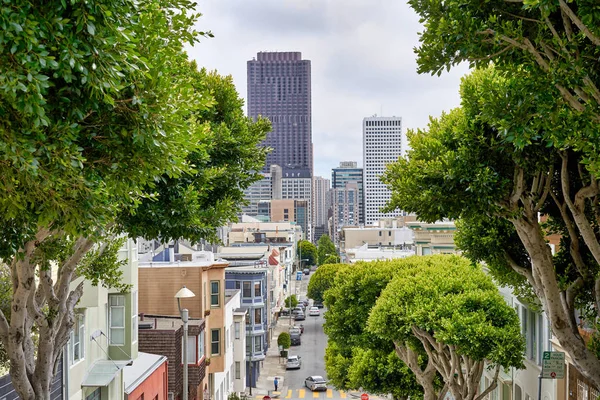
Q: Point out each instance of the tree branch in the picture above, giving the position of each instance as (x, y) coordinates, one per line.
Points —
(567, 10)
(492, 386)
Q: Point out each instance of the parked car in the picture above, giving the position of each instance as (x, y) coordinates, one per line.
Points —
(293, 362)
(314, 312)
(306, 271)
(299, 316)
(284, 311)
(298, 308)
(315, 383)
(318, 304)
(295, 339)
(305, 302)
(301, 327)
(295, 330)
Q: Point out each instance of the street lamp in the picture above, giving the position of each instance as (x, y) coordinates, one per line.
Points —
(182, 294)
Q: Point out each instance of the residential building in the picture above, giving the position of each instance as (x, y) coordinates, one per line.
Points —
(253, 282)
(319, 202)
(436, 238)
(205, 277)
(389, 232)
(347, 172)
(345, 209)
(279, 88)
(382, 145)
(102, 358)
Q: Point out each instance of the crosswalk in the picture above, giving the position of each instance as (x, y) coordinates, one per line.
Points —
(307, 394)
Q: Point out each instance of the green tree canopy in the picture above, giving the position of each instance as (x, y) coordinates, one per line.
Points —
(101, 111)
(520, 173)
(325, 248)
(453, 312)
(555, 41)
(349, 299)
(307, 251)
(322, 280)
(284, 340)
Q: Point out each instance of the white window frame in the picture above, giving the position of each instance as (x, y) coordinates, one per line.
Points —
(200, 346)
(111, 327)
(77, 341)
(258, 344)
(134, 316)
(217, 294)
(218, 342)
(237, 327)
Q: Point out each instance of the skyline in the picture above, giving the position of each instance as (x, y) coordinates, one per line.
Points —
(362, 63)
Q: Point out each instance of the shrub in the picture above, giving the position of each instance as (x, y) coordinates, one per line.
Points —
(284, 340)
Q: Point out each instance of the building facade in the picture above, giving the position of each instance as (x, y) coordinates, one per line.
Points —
(279, 88)
(382, 145)
(319, 202)
(348, 171)
(345, 209)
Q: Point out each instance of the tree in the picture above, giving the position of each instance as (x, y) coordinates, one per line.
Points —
(325, 249)
(291, 301)
(322, 280)
(192, 205)
(284, 340)
(332, 259)
(350, 347)
(557, 40)
(521, 172)
(100, 106)
(453, 312)
(307, 251)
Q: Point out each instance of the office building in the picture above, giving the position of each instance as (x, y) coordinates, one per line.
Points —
(347, 172)
(345, 209)
(382, 145)
(319, 203)
(279, 88)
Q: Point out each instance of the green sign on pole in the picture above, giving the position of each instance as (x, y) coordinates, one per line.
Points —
(553, 365)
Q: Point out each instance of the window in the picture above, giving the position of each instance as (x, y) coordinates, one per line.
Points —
(200, 345)
(257, 289)
(247, 289)
(215, 342)
(258, 344)
(77, 339)
(116, 320)
(191, 350)
(237, 328)
(238, 370)
(257, 316)
(134, 317)
(214, 293)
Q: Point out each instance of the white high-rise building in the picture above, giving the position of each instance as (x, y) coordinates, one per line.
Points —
(320, 187)
(382, 144)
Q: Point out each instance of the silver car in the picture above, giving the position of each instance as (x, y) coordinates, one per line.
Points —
(315, 382)
(293, 362)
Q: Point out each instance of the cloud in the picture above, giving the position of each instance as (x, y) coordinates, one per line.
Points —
(362, 60)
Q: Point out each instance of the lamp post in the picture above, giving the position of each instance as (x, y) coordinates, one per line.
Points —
(182, 294)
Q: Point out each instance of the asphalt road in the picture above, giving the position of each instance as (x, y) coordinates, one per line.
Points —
(312, 349)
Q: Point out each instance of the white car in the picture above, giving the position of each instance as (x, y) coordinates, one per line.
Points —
(315, 382)
(314, 312)
(293, 362)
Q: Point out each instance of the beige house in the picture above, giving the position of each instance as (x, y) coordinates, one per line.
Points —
(436, 238)
(205, 277)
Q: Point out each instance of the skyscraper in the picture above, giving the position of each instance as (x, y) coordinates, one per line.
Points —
(349, 172)
(382, 145)
(279, 88)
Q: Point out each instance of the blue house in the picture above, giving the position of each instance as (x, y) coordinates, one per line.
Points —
(252, 281)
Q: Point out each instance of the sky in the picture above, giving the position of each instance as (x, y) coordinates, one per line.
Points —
(362, 62)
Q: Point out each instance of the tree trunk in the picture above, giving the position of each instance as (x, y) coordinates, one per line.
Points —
(559, 312)
(424, 377)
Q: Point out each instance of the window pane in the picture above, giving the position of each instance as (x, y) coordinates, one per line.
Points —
(191, 350)
(237, 328)
(117, 336)
(237, 370)
(117, 317)
(257, 291)
(258, 316)
(247, 291)
(215, 341)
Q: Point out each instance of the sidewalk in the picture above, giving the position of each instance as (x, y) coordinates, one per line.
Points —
(273, 365)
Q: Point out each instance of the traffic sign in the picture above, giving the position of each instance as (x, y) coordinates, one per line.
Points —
(364, 396)
(553, 365)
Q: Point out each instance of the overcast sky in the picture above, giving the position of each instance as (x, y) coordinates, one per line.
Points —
(362, 60)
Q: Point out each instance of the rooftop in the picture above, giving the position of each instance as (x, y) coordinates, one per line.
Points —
(165, 322)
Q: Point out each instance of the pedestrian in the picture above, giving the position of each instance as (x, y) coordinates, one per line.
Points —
(276, 383)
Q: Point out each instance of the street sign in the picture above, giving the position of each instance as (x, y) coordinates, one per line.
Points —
(364, 396)
(553, 365)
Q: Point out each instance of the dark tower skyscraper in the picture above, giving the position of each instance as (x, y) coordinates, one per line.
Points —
(279, 89)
